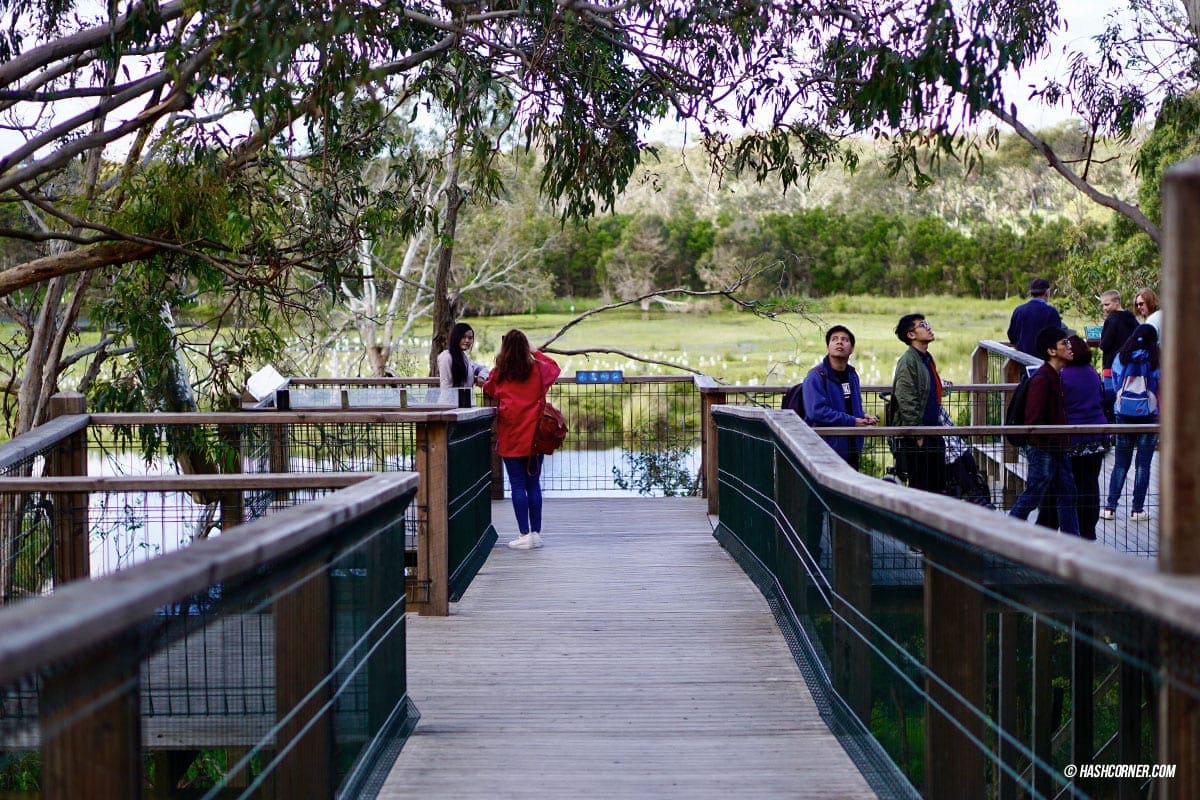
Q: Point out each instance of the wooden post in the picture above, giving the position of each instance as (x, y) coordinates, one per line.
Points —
(90, 716)
(954, 651)
(69, 459)
(1007, 700)
(979, 375)
(386, 669)
(303, 658)
(279, 453)
(1083, 679)
(232, 503)
(1178, 545)
(708, 447)
(852, 596)
(1129, 725)
(1042, 733)
(433, 526)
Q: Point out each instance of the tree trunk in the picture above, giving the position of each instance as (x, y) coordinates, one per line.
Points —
(443, 310)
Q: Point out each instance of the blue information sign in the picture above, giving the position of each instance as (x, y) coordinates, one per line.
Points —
(599, 376)
(1092, 333)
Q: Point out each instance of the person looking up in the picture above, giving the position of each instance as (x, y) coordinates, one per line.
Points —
(917, 391)
(833, 395)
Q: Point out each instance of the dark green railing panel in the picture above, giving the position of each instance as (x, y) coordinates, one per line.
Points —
(747, 483)
(266, 662)
(469, 470)
(983, 656)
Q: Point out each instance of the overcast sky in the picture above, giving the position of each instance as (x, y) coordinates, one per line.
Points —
(1085, 19)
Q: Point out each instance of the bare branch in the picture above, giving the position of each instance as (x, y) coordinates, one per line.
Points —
(1128, 210)
(589, 350)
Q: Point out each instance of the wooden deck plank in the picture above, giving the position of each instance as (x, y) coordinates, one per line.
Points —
(630, 657)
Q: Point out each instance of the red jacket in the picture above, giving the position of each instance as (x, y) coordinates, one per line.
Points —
(519, 403)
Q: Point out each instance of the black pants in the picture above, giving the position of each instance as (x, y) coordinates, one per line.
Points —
(1087, 491)
(924, 463)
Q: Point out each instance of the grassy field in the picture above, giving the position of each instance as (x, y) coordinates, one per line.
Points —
(741, 348)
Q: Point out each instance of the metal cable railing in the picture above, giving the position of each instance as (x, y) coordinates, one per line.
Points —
(1003, 659)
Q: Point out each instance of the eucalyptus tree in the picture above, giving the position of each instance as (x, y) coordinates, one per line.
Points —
(926, 76)
(220, 140)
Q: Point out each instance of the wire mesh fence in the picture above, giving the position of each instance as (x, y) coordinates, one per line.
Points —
(192, 446)
(1115, 501)
(1115, 470)
(269, 670)
(639, 436)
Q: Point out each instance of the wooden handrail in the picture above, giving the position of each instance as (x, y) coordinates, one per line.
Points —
(83, 615)
(293, 417)
(1009, 352)
(43, 437)
(875, 431)
(1131, 581)
(434, 381)
(186, 483)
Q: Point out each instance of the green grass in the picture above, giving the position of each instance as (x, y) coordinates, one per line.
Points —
(739, 347)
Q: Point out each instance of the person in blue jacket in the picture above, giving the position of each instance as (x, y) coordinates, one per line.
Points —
(1032, 317)
(833, 396)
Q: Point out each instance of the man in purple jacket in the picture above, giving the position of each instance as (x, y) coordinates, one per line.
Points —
(1048, 472)
(833, 397)
(1031, 317)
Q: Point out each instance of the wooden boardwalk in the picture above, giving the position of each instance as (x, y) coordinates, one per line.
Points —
(628, 658)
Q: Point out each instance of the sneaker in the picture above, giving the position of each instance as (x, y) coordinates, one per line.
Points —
(523, 542)
(1107, 513)
(1138, 516)
(537, 538)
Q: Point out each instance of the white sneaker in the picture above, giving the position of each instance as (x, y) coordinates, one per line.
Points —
(537, 538)
(523, 542)
(1107, 513)
(1138, 516)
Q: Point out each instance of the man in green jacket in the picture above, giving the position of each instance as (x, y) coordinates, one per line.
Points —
(917, 388)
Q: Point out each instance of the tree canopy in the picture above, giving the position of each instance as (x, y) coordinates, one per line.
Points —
(158, 151)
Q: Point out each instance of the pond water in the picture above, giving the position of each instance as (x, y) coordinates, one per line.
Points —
(131, 527)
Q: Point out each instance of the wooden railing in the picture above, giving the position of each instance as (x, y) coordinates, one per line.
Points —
(814, 534)
(299, 612)
(282, 452)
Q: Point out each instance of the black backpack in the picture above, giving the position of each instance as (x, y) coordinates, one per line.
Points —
(1015, 414)
(793, 398)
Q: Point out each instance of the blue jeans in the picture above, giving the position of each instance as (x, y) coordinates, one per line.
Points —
(526, 490)
(1144, 444)
(1049, 475)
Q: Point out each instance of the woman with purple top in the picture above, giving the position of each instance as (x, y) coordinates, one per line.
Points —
(1083, 392)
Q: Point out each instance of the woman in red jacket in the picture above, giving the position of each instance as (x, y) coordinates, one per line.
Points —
(519, 382)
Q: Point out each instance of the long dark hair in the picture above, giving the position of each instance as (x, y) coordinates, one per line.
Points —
(1144, 337)
(458, 360)
(515, 359)
(1081, 354)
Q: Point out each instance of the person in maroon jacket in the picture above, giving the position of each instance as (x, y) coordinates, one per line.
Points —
(1048, 468)
(519, 382)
